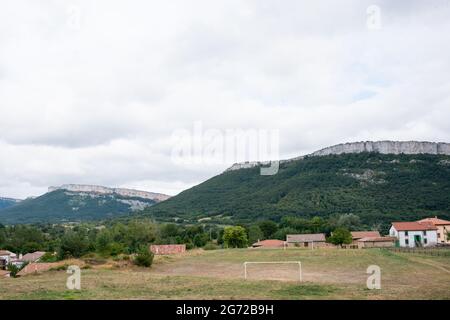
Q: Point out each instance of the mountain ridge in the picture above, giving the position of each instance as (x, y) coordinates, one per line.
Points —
(106, 190)
(382, 147)
(71, 203)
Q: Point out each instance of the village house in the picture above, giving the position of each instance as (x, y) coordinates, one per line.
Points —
(6, 257)
(306, 240)
(270, 243)
(376, 242)
(443, 229)
(357, 235)
(414, 234)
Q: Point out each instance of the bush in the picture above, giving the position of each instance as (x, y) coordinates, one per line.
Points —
(189, 245)
(49, 257)
(144, 257)
(13, 270)
(211, 246)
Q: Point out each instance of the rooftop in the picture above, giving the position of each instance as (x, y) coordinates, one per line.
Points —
(32, 257)
(313, 237)
(435, 221)
(413, 226)
(365, 234)
(269, 243)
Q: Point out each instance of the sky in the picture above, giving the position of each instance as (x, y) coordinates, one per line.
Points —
(112, 92)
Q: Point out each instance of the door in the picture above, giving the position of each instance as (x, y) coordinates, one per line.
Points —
(417, 241)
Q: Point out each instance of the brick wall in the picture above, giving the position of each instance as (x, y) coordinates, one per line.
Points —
(168, 248)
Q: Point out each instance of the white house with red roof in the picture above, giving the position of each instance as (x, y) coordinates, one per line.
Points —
(414, 234)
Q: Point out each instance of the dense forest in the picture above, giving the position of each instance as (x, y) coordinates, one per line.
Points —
(376, 187)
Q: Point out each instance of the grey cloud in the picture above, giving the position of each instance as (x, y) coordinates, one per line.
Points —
(98, 103)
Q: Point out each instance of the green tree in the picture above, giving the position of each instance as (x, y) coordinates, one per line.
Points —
(348, 221)
(73, 244)
(200, 239)
(140, 233)
(340, 236)
(254, 234)
(235, 237)
(169, 230)
(281, 233)
(268, 228)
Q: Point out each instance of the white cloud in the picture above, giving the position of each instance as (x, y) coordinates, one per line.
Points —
(91, 92)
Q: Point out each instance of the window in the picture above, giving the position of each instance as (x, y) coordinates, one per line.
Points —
(406, 241)
(425, 240)
(406, 233)
(439, 235)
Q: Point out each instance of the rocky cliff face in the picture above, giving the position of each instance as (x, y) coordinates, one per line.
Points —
(104, 190)
(384, 147)
(387, 147)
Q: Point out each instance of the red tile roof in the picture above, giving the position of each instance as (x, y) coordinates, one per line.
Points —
(413, 226)
(365, 234)
(33, 257)
(435, 221)
(6, 253)
(269, 243)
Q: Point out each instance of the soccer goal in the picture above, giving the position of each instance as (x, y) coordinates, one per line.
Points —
(298, 263)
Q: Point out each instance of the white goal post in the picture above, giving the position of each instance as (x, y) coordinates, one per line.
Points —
(300, 276)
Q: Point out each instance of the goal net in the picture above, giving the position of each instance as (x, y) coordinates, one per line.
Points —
(273, 270)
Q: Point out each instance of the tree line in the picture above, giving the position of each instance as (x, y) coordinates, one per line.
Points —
(131, 237)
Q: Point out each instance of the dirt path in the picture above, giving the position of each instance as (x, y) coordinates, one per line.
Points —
(429, 263)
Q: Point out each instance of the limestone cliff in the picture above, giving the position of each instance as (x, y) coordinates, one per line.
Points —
(384, 147)
(104, 190)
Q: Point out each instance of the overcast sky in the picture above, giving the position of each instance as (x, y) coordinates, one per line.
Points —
(93, 91)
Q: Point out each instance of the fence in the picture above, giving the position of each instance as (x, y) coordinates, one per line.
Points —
(434, 251)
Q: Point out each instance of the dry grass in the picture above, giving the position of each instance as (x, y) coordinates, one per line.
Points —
(327, 274)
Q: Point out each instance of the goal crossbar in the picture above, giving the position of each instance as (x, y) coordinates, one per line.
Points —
(300, 277)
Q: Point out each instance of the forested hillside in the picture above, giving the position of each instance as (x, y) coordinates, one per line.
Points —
(379, 188)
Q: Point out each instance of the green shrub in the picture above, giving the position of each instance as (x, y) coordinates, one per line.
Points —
(211, 246)
(13, 270)
(49, 257)
(144, 258)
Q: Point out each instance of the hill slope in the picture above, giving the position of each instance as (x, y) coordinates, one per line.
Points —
(7, 202)
(68, 203)
(377, 187)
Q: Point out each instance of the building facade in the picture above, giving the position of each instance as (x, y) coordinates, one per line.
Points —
(443, 229)
(414, 234)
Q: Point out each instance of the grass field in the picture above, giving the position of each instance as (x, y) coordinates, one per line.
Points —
(327, 274)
